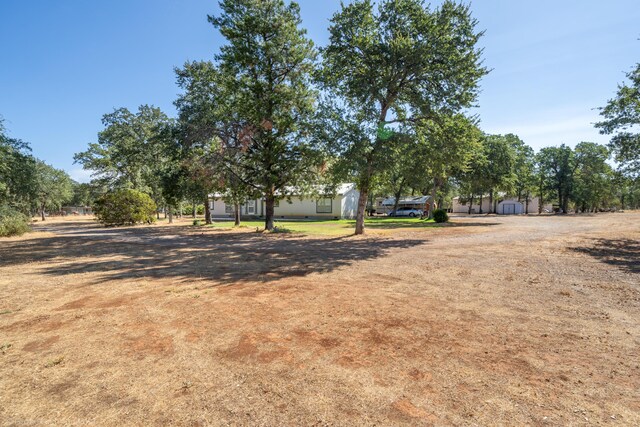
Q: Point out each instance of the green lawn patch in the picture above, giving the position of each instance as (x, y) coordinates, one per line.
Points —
(341, 227)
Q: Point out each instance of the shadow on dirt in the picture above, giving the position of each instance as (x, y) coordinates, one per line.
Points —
(623, 253)
(181, 253)
(391, 224)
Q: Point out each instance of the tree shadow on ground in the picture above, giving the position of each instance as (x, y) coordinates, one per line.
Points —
(622, 253)
(392, 223)
(184, 254)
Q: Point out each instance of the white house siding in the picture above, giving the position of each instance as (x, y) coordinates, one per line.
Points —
(342, 206)
(349, 204)
(306, 208)
(457, 207)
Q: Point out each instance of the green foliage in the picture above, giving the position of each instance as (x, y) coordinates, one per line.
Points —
(622, 118)
(125, 207)
(196, 223)
(188, 209)
(128, 153)
(17, 172)
(265, 68)
(84, 194)
(381, 67)
(592, 178)
(556, 167)
(440, 215)
(53, 188)
(12, 222)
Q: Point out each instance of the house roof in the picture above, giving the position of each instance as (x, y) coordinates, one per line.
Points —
(340, 190)
(406, 201)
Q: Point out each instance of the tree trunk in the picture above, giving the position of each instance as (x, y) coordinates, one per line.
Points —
(480, 202)
(560, 199)
(470, 204)
(362, 205)
(269, 207)
(157, 213)
(540, 202)
(397, 198)
(170, 214)
(42, 212)
(207, 211)
(194, 210)
(363, 187)
(236, 214)
(526, 203)
(434, 192)
(490, 201)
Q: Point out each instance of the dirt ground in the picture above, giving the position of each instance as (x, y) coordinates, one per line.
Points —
(493, 321)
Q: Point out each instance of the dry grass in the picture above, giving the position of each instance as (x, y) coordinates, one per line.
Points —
(504, 321)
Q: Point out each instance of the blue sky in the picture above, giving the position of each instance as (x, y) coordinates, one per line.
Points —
(65, 63)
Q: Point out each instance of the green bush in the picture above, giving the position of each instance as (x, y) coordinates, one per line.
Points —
(12, 222)
(440, 215)
(125, 207)
(188, 210)
(196, 222)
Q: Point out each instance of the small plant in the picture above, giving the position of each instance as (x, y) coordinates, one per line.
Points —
(55, 362)
(4, 347)
(196, 223)
(440, 215)
(279, 229)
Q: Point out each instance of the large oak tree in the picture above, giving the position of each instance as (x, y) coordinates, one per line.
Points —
(402, 64)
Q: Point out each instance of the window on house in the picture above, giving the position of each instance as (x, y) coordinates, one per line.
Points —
(251, 207)
(228, 208)
(210, 204)
(324, 206)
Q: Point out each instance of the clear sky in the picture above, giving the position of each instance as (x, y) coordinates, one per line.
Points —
(65, 63)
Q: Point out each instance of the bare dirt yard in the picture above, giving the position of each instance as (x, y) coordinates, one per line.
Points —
(492, 321)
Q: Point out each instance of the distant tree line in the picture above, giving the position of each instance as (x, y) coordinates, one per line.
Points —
(385, 104)
(28, 186)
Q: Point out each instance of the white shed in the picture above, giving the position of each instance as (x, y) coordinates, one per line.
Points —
(510, 207)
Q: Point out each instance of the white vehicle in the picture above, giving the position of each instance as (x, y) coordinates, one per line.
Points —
(406, 211)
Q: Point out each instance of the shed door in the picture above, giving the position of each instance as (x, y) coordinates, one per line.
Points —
(509, 209)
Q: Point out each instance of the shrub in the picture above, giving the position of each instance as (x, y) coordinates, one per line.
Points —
(125, 207)
(188, 209)
(12, 222)
(196, 222)
(440, 215)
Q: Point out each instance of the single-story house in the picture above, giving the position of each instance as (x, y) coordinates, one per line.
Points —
(503, 205)
(342, 205)
(384, 206)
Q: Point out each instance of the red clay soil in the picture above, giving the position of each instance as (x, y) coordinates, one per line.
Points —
(493, 321)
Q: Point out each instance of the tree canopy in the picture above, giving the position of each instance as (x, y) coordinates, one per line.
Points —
(400, 64)
(622, 121)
